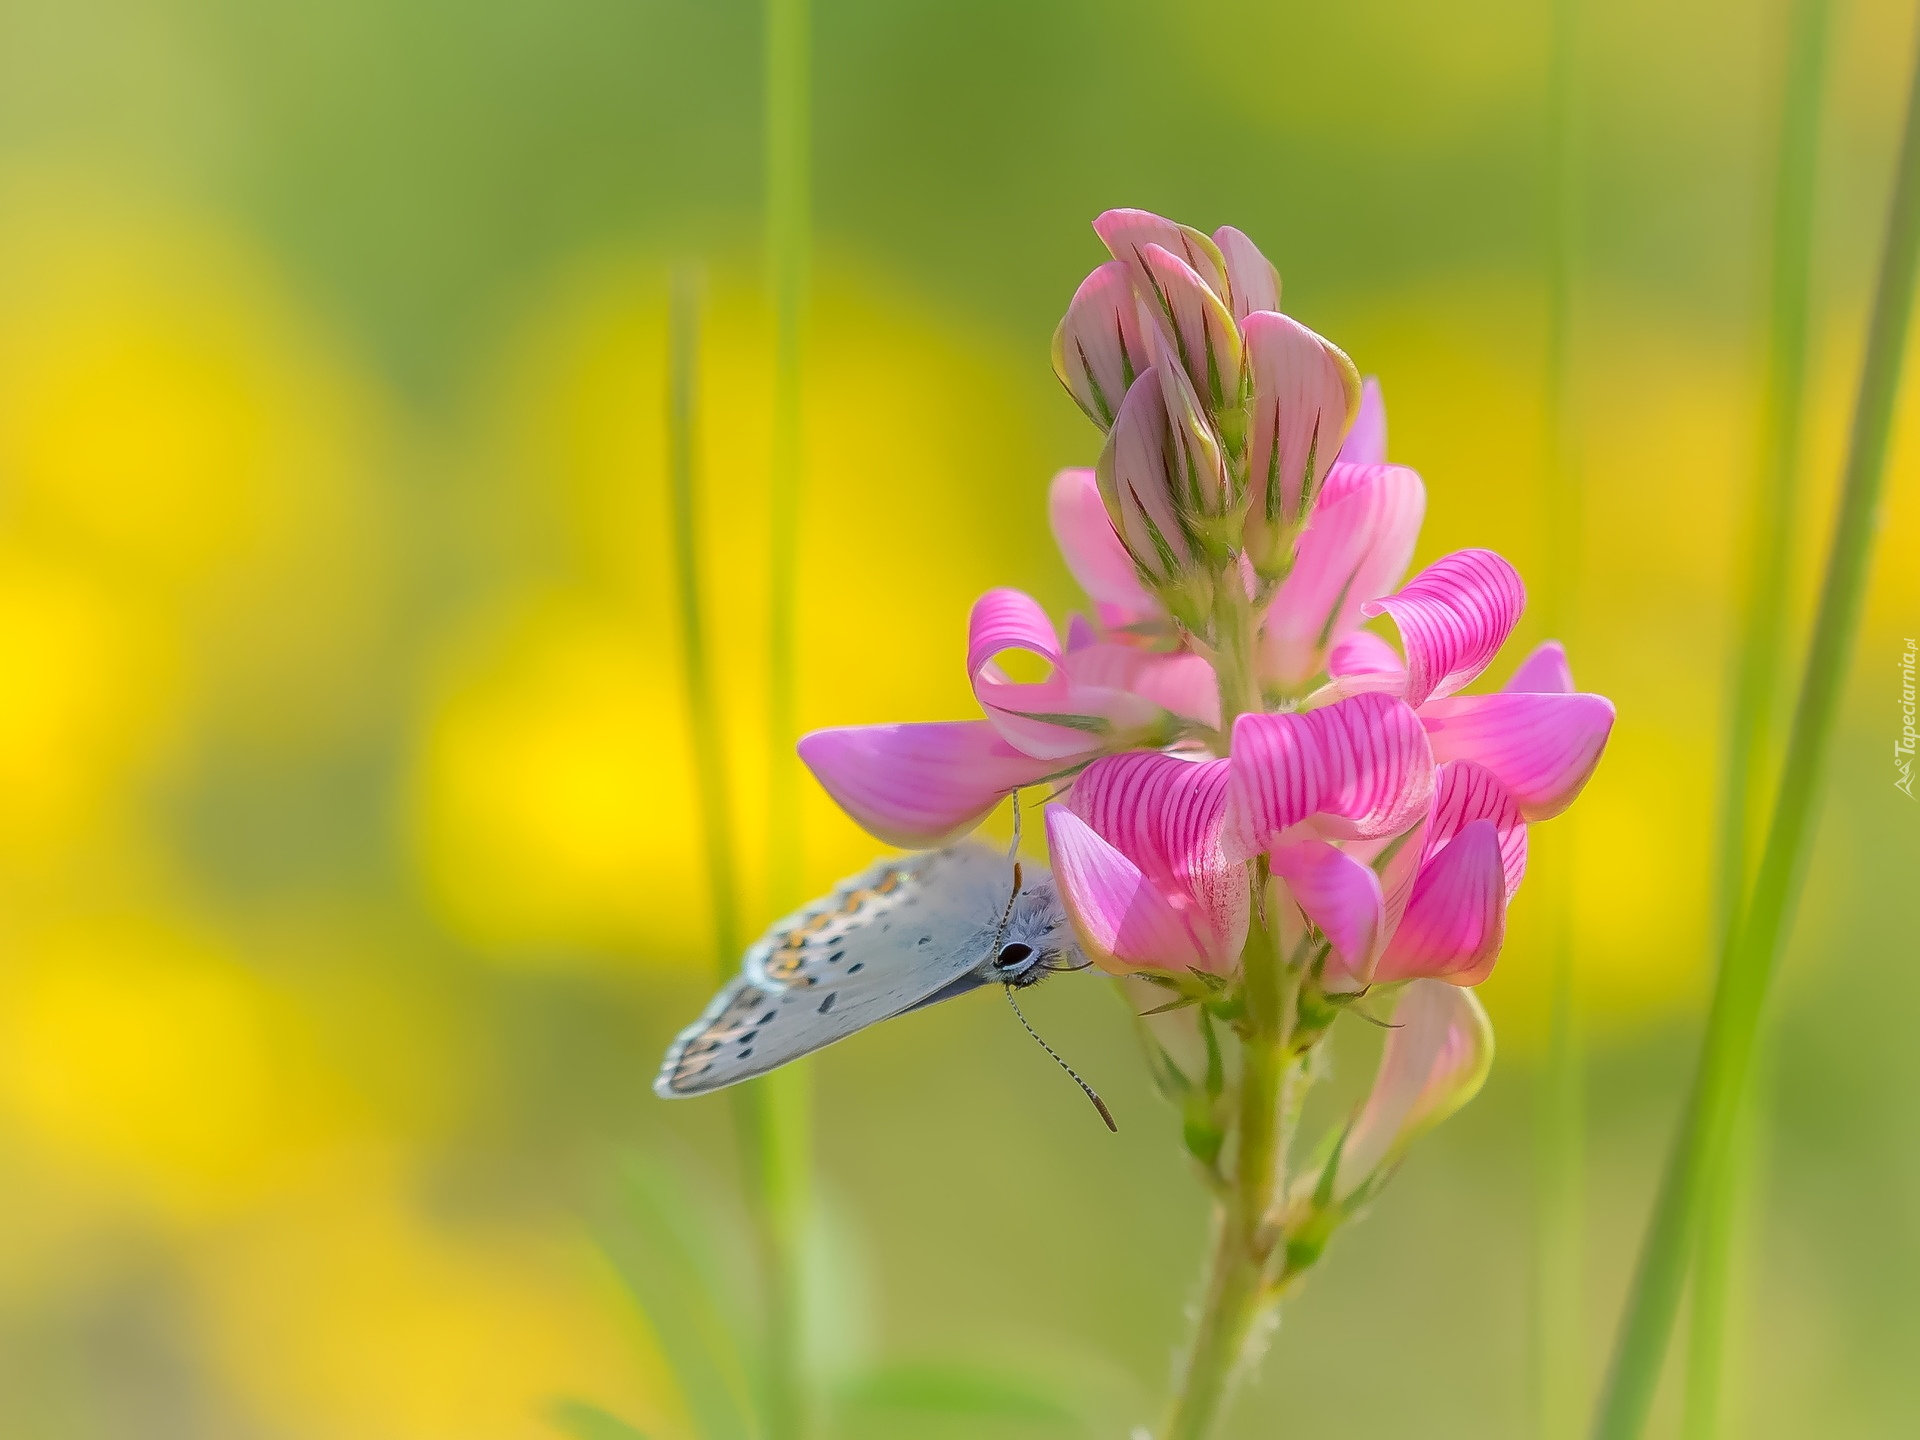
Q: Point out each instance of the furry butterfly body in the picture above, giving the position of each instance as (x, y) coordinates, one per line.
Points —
(902, 934)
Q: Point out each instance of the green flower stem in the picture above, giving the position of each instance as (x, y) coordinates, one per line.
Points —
(1756, 677)
(782, 1130)
(1754, 945)
(1243, 1242)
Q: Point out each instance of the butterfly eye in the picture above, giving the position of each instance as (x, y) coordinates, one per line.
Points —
(1013, 955)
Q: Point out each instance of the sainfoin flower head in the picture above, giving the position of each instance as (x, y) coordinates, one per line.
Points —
(1259, 803)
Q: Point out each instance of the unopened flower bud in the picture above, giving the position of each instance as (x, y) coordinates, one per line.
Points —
(1250, 275)
(1100, 347)
(1156, 473)
(1306, 393)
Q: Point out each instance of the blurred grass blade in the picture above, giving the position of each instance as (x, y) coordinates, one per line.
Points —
(1753, 948)
(1755, 696)
(781, 1154)
(1559, 1148)
(979, 1393)
(589, 1422)
(670, 1248)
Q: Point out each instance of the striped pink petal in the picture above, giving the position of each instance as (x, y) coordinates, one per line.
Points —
(1099, 347)
(1122, 920)
(1305, 393)
(1134, 480)
(1364, 653)
(1367, 441)
(1339, 894)
(919, 786)
(1355, 549)
(1180, 683)
(1250, 275)
(1198, 326)
(1434, 1061)
(1542, 748)
(1091, 546)
(1359, 769)
(1164, 814)
(1456, 920)
(1127, 233)
(1464, 792)
(1544, 672)
(1453, 617)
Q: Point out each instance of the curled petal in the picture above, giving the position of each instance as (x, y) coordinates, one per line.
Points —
(919, 786)
(1182, 684)
(1341, 895)
(1099, 347)
(1456, 920)
(1127, 233)
(1367, 441)
(1360, 769)
(1364, 653)
(1164, 814)
(1121, 919)
(1355, 549)
(1464, 792)
(1250, 275)
(1453, 617)
(1134, 481)
(1544, 672)
(1435, 1060)
(1198, 326)
(1541, 747)
(1092, 547)
(1305, 393)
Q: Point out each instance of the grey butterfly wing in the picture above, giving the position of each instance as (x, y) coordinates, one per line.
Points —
(883, 942)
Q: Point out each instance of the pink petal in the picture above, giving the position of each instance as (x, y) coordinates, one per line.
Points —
(1133, 480)
(1099, 347)
(1338, 893)
(1180, 683)
(1164, 814)
(1360, 769)
(1197, 324)
(1457, 919)
(1544, 672)
(1127, 233)
(1541, 747)
(1305, 392)
(1434, 1061)
(1453, 617)
(1091, 546)
(1121, 920)
(919, 786)
(1250, 275)
(1464, 792)
(1355, 549)
(1364, 653)
(1367, 441)
(1198, 473)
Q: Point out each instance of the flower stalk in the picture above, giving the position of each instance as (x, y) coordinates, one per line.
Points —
(1753, 945)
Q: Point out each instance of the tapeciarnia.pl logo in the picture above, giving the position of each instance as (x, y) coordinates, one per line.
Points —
(1903, 747)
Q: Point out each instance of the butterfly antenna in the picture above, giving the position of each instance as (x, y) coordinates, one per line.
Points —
(1013, 859)
(1092, 1094)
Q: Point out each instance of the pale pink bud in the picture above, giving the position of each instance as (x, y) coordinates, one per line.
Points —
(1100, 348)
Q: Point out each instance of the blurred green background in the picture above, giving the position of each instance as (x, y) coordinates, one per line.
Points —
(348, 864)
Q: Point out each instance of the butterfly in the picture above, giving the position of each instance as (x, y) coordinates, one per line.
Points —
(903, 934)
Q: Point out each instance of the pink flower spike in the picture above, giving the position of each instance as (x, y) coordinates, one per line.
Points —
(1099, 347)
(1197, 325)
(1367, 441)
(1355, 548)
(1359, 769)
(1541, 747)
(919, 786)
(1305, 393)
(1164, 814)
(1435, 1060)
(1339, 894)
(1121, 920)
(1127, 233)
(1544, 672)
(1091, 546)
(1464, 792)
(1254, 281)
(1453, 616)
(1457, 919)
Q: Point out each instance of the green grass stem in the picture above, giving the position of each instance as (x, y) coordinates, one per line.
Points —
(1755, 698)
(1753, 948)
(1560, 1110)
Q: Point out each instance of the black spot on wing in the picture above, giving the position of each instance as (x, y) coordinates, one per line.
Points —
(827, 1004)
